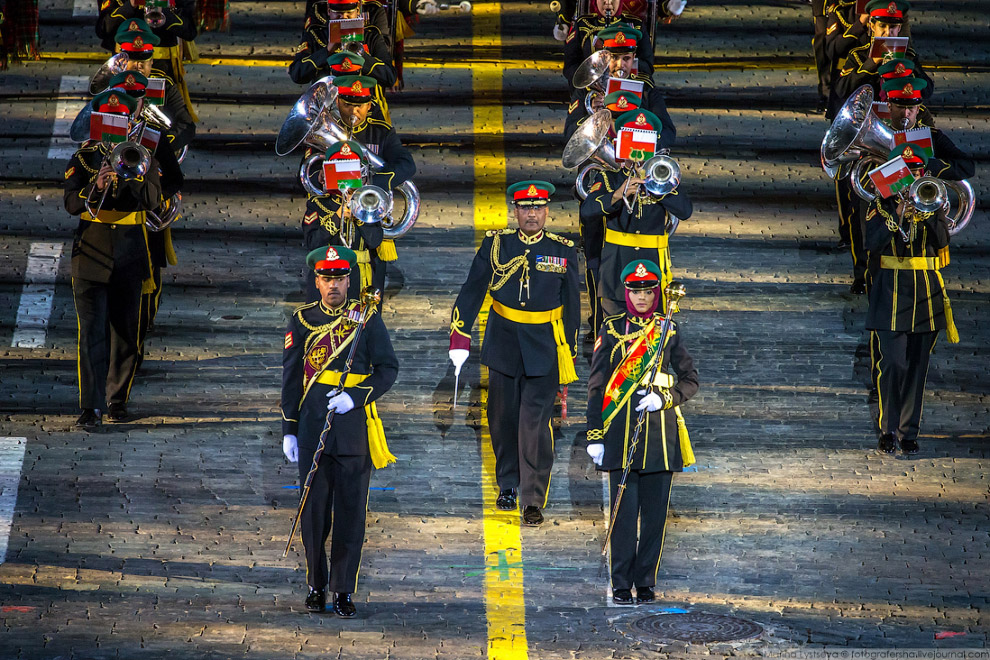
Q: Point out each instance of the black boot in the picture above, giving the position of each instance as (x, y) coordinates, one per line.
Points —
(90, 419)
(316, 601)
(622, 597)
(343, 606)
(645, 595)
(506, 499)
(532, 516)
(909, 446)
(117, 413)
(887, 443)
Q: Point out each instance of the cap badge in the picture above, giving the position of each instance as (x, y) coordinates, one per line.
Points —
(641, 120)
(892, 8)
(130, 80)
(347, 63)
(640, 270)
(620, 39)
(908, 152)
(138, 41)
(113, 101)
(900, 68)
(332, 254)
(345, 150)
(357, 86)
(623, 103)
(532, 191)
(909, 88)
(133, 27)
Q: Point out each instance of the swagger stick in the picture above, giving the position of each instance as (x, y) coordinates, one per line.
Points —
(674, 292)
(369, 298)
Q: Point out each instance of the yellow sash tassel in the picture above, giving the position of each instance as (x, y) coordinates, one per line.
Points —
(386, 251)
(170, 256)
(377, 446)
(687, 451)
(402, 28)
(565, 361)
(950, 327)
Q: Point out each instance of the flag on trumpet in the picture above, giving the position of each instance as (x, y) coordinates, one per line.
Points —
(346, 30)
(625, 85)
(920, 138)
(884, 48)
(636, 135)
(342, 167)
(150, 138)
(108, 127)
(892, 177)
(154, 93)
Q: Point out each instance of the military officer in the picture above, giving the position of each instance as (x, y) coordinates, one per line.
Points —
(662, 447)
(110, 266)
(329, 221)
(635, 223)
(908, 305)
(529, 345)
(317, 343)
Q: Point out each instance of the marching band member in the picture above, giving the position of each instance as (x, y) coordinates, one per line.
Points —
(110, 265)
(662, 447)
(316, 347)
(580, 41)
(180, 23)
(529, 345)
(908, 305)
(632, 230)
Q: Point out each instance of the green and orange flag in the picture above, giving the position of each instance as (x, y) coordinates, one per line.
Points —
(630, 372)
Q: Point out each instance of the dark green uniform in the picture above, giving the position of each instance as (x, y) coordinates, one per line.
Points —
(578, 46)
(658, 452)
(180, 23)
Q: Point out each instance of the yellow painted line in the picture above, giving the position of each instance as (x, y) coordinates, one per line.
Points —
(505, 602)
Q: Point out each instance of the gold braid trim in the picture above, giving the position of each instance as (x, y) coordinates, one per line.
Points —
(595, 436)
(504, 271)
(457, 324)
(327, 221)
(888, 218)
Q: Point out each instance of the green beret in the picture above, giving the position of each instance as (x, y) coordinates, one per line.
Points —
(355, 89)
(904, 91)
(641, 274)
(140, 37)
(132, 25)
(531, 193)
(332, 260)
(897, 67)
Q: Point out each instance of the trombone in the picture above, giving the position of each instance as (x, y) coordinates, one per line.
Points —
(128, 160)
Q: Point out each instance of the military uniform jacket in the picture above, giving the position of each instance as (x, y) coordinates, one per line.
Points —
(904, 300)
(183, 128)
(505, 262)
(321, 225)
(579, 42)
(379, 137)
(948, 161)
(653, 101)
(858, 70)
(100, 248)
(180, 22)
(310, 61)
(659, 448)
(316, 341)
(599, 214)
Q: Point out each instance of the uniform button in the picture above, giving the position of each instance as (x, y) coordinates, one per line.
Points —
(637, 249)
(522, 304)
(637, 231)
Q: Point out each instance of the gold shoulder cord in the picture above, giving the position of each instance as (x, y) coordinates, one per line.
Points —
(327, 223)
(504, 271)
(622, 339)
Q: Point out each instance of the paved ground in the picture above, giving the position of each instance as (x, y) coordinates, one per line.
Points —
(164, 536)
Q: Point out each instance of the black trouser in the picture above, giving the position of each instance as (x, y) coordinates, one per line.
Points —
(902, 369)
(591, 278)
(519, 411)
(108, 317)
(149, 307)
(818, 45)
(337, 507)
(645, 500)
(852, 224)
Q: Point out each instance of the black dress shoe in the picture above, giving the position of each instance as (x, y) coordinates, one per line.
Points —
(506, 499)
(117, 413)
(622, 597)
(909, 446)
(858, 287)
(645, 595)
(532, 516)
(89, 420)
(887, 443)
(843, 243)
(316, 601)
(343, 606)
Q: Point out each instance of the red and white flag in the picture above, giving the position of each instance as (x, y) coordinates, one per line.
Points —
(881, 46)
(108, 127)
(635, 144)
(919, 136)
(345, 30)
(342, 173)
(154, 93)
(891, 177)
(881, 110)
(625, 85)
(150, 138)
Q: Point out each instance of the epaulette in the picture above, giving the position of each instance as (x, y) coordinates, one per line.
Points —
(380, 122)
(560, 239)
(158, 73)
(299, 310)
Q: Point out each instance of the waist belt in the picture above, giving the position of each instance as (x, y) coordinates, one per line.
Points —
(522, 316)
(116, 217)
(889, 262)
(362, 256)
(657, 242)
(332, 378)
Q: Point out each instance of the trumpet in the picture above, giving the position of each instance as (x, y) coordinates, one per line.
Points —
(128, 160)
(661, 175)
(154, 13)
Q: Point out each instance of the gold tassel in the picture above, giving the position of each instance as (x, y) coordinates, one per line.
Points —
(377, 446)
(170, 256)
(386, 251)
(950, 327)
(687, 451)
(565, 361)
(943, 257)
(402, 28)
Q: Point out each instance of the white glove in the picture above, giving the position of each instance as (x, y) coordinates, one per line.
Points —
(597, 453)
(342, 403)
(458, 356)
(560, 31)
(675, 7)
(290, 447)
(651, 402)
(427, 8)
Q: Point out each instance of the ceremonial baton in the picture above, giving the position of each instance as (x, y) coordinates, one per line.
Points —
(464, 7)
(674, 292)
(369, 298)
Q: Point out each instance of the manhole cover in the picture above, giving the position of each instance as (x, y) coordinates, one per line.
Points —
(695, 627)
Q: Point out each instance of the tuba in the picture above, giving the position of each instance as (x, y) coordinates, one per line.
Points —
(930, 194)
(311, 122)
(855, 133)
(101, 79)
(591, 75)
(590, 147)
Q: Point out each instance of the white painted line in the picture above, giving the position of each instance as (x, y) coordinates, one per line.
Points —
(31, 327)
(11, 460)
(84, 8)
(69, 104)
